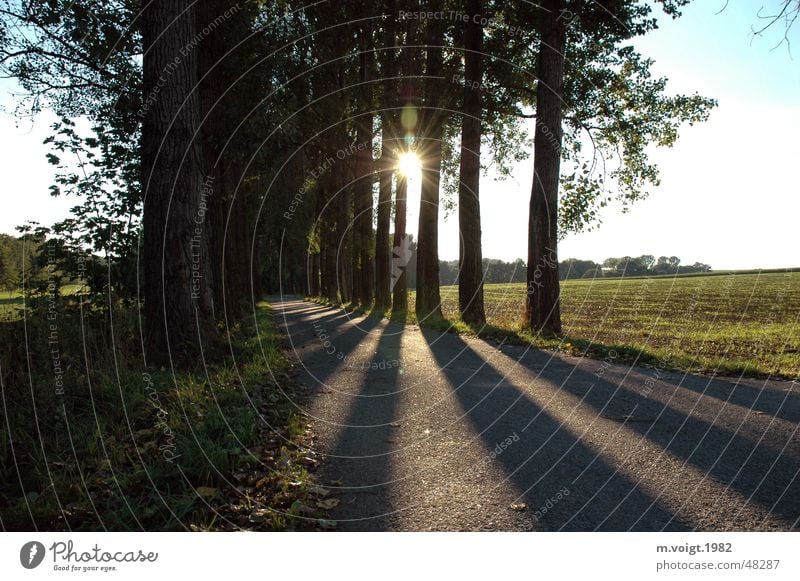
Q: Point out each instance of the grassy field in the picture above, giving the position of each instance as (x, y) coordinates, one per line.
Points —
(730, 323)
(10, 305)
(11, 302)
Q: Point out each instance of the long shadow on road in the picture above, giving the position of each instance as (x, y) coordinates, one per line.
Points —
(329, 338)
(364, 449)
(762, 473)
(783, 406)
(548, 458)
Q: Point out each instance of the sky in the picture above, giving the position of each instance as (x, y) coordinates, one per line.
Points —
(729, 187)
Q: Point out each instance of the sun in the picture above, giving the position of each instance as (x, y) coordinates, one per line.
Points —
(409, 164)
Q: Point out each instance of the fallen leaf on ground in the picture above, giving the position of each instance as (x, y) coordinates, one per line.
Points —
(206, 491)
(319, 490)
(328, 504)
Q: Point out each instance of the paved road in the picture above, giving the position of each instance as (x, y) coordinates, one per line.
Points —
(421, 430)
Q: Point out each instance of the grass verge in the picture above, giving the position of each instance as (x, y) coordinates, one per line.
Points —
(91, 441)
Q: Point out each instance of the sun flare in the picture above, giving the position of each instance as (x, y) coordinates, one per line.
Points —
(409, 164)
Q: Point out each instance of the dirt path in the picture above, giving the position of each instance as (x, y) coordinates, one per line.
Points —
(421, 430)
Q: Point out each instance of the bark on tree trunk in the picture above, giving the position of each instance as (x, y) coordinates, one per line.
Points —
(428, 302)
(176, 264)
(362, 234)
(329, 247)
(470, 279)
(218, 69)
(343, 229)
(401, 253)
(400, 249)
(542, 304)
(386, 166)
(382, 247)
(313, 275)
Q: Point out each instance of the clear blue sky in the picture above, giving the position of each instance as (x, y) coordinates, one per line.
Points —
(729, 193)
(729, 188)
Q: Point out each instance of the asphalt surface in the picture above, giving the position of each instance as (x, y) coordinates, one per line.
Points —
(420, 430)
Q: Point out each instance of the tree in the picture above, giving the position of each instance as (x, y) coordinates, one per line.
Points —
(543, 313)
(177, 269)
(82, 60)
(428, 301)
(575, 268)
(470, 280)
(386, 163)
(228, 90)
(362, 221)
(409, 115)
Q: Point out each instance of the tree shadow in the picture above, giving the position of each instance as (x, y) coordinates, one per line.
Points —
(784, 406)
(548, 458)
(330, 344)
(762, 473)
(365, 444)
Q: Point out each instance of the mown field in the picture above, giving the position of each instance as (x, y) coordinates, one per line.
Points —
(730, 323)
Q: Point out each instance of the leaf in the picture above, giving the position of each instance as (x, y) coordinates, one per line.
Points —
(302, 509)
(318, 490)
(206, 492)
(328, 504)
(519, 506)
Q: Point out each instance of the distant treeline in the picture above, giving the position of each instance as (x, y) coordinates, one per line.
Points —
(17, 254)
(571, 268)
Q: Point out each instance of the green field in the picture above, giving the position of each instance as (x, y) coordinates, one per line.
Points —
(10, 305)
(729, 323)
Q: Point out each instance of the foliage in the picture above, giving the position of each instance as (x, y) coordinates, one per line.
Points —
(82, 61)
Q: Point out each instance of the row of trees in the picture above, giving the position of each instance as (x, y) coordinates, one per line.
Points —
(21, 259)
(260, 142)
(645, 265)
(499, 271)
(449, 79)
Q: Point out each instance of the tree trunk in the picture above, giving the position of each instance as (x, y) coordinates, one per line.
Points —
(176, 265)
(428, 303)
(382, 246)
(362, 220)
(470, 280)
(400, 249)
(401, 252)
(542, 305)
(313, 274)
(386, 166)
(343, 204)
(219, 67)
(329, 249)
